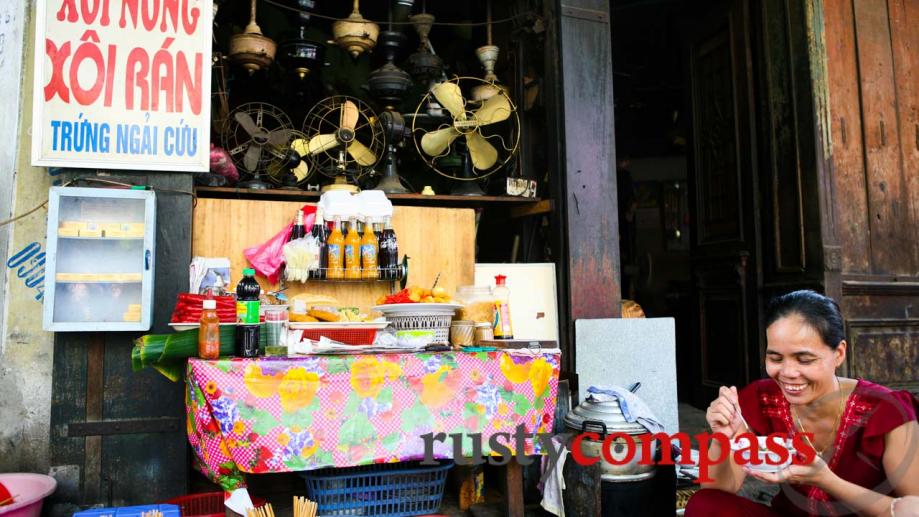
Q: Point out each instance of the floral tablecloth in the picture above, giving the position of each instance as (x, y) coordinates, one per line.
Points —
(286, 414)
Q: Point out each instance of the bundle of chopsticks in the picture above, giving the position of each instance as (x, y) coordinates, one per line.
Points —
(303, 507)
(151, 513)
(261, 511)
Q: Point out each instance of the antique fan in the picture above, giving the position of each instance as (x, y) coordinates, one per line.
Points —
(488, 130)
(345, 140)
(251, 49)
(257, 137)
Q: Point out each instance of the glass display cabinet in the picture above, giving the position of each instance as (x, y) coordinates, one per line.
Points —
(100, 250)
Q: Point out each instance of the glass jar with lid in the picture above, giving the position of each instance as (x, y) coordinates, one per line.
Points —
(478, 303)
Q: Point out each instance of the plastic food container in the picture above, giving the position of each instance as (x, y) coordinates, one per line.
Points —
(484, 332)
(462, 333)
(478, 303)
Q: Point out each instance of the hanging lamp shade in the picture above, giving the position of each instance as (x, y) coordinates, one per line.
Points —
(355, 34)
(251, 49)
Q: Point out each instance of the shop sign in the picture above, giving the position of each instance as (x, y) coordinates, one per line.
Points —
(122, 84)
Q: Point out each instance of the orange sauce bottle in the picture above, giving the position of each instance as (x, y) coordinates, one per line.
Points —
(353, 252)
(336, 246)
(209, 331)
(370, 248)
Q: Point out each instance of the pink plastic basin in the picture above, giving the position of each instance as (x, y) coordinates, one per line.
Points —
(28, 491)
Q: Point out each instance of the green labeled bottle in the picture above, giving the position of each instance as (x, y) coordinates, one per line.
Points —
(247, 315)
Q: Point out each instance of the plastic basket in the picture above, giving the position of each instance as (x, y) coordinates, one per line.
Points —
(388, 489)
(439, 323)
(343, 335)
(208, 504)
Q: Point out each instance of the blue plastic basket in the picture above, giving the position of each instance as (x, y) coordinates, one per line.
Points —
(388, 489)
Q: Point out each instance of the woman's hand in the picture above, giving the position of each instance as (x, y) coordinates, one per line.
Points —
(813, 474)
(723, 414)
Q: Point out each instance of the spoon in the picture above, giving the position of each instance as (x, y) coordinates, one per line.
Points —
(742, 419)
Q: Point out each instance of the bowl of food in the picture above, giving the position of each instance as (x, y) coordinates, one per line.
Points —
(769, 455)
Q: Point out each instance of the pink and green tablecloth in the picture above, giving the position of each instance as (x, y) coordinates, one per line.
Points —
(285, 414)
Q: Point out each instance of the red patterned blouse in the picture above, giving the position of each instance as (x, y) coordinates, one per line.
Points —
(870, 412)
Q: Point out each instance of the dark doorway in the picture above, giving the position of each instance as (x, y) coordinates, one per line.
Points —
(686, 146)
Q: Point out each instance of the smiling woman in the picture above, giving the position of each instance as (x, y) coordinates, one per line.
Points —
(866, 436)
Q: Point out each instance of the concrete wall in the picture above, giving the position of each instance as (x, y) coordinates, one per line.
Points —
(25, 349)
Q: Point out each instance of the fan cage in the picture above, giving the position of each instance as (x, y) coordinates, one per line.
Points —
(506, 153)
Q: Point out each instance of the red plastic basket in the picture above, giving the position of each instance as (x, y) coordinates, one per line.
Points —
(208, 504)
(343, 335)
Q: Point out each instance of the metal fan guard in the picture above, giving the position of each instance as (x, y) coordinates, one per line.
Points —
(235, 136)
(478, 175)
(318, 121)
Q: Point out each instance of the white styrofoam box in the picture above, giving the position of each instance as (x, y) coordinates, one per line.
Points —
(375, 204)
(622, 352)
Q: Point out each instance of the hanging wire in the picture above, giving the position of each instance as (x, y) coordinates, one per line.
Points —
(436, 23)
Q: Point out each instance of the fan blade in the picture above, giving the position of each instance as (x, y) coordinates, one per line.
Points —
(245, 120)
(252, 157)
(279, 137)
(449, 96)
(320, 143)
(483, 154)
(349, 115)
(436, 142)
(301, 171)
(496, 109)
(361, 154)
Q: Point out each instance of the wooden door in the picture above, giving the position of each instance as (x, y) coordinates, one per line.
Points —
(724, 208)
(872, 50)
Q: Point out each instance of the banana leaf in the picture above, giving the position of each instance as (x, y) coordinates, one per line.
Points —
(167, 353)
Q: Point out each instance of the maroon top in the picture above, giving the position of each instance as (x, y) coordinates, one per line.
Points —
(871, 411)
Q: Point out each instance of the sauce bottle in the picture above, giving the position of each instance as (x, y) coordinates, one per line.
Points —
(336, 245)
(209, 331)
(247, 315)
(369, 251)
(389, 252)
(321, 233)
(298, 231)
(503, 329)
(353, 252)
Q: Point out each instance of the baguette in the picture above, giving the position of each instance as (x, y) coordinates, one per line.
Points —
(323, 315)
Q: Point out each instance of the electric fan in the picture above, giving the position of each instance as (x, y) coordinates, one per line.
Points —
(256, 137)
(345, 140)
(488, 130)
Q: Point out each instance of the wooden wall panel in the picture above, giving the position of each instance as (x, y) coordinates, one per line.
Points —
(717, 154)
(887, 212)
(437, 240)
(848, 167)
(885, 351)
(590, 163)
(904, 37)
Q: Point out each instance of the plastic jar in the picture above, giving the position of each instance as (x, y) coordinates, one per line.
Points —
(462, 333)
(478, 303)
(484, 332)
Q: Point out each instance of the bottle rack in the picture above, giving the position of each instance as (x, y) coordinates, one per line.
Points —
(399, 274)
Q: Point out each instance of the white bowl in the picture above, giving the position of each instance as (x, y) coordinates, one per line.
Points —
(764, 454)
